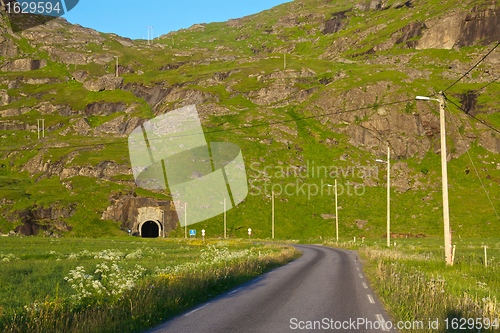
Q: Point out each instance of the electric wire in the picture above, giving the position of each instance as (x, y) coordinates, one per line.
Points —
(243, 127)
(472, 68)
(454, 122)
(280, 122)
(493, 81)
(472, 116)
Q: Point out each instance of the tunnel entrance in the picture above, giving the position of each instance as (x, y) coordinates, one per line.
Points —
(150, 229)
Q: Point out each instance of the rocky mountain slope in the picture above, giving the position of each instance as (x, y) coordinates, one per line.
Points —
(309, 85)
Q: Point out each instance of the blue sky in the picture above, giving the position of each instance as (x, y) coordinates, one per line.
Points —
(132, 18)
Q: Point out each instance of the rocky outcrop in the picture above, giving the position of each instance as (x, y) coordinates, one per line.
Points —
(106, 82)
(68, 58)
(152, 95)
(119, 126)
(412, 30)
(49, 168)
(50, 220)
(490, 141)
(66, 36)
(179, 96)
(469, 102)
(4, 97)
(49, 108)
(372, 5)
(104, 108)
(124, 208)
(12, 113)
(23, 65)
(80, 75)
(461, 29)
(80, 126)
(336, 23)
(183, 97)
(103, 170)
(480, 27)
(279, 90)
(8, 48)
(14, 125)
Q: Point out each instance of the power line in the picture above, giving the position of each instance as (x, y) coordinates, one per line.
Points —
(310, 117)
(473, 117)
(455, 122)
(219, 130)
(294, 119)
(472, 68)
(495, 80)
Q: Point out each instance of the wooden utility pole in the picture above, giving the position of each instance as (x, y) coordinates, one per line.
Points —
(225, 227)
(272, 213)
(336, 213)
(444, 180)
(388, 196)
(444, 177)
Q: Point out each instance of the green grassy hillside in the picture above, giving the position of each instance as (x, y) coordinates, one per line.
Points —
(310, 84)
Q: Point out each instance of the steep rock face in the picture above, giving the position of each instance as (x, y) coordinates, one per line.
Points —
(4, 97)
(23, 65)
(410, 31)
(152, 95)
(49, 108)
(106, 82)
(120, 126)
(159, 95)
(66, 36)
(50, 220)
(104, 170)
(409, 131)
(490, 142)
(461, 29)
(103, 108)
(80, 75)
(482, 26)
(372, 5)
(47, 167)
(125, 209)
(81, 127)
(14, 125)
(8, 48)
(68, 58)
(335, 24)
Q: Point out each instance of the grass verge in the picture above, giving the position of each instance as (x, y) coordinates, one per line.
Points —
(425, 295)
(107, 297)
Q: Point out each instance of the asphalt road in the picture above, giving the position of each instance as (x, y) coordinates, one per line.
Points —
(325, 290)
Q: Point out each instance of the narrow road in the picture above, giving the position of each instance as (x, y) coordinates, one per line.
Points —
(325, 290)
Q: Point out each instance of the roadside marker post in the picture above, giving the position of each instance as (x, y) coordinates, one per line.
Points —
(485, 257)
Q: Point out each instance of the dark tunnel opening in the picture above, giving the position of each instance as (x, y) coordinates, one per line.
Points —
(150, 229)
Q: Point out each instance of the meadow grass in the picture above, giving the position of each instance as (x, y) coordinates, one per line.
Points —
(119, 284)
(416, 286)
(253, 58)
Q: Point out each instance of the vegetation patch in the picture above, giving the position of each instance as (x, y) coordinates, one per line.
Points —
(119, 284)
(413, 281)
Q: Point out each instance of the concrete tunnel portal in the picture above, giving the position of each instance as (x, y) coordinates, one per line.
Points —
(150, 229)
